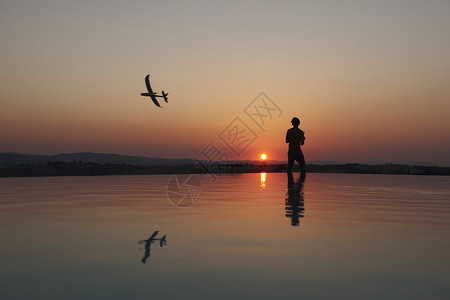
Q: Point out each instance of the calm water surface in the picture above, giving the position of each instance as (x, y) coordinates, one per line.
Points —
(249, 236)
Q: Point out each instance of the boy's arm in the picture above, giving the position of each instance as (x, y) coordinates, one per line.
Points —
(287, 136)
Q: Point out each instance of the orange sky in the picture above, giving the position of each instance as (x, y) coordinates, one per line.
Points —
(369, 81)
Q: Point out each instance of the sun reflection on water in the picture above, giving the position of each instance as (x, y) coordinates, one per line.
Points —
(263, 180)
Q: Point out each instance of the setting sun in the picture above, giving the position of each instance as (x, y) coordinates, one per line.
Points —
(263, 156)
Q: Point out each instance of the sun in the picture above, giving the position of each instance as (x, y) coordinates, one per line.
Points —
(263, 156)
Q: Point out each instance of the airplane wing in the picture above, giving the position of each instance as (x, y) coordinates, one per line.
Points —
(155, 101)
(155, 233)
(147, 83)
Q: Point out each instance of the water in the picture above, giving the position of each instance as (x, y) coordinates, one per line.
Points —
(337, 236)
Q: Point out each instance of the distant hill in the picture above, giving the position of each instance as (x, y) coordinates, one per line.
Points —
(313, 162)
(85, 157)
(16, 158)
(11, 158)
(332, 162)
(94, 164)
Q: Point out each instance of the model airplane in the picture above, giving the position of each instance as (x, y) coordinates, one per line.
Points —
(152, 94)
(149, 242)
(151, 239)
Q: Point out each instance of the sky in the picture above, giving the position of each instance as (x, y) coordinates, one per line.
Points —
(369, 80)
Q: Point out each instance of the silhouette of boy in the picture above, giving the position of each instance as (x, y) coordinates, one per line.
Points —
(296, 137)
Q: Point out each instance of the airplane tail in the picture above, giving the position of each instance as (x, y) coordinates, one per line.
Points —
(165, 96)
(163, 241)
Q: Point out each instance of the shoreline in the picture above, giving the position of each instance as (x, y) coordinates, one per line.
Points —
(95, 169)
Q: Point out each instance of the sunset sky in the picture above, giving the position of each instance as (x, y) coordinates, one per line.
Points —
(369, 80)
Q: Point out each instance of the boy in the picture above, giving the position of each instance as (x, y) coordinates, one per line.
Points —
(296, 137)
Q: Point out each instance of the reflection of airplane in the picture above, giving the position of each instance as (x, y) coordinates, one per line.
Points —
(151, 94)
(149, 241)
(294, 203)
(163, 241)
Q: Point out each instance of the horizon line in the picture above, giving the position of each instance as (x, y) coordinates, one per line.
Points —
(317, 161)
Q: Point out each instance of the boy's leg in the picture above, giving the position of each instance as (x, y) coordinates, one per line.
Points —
(291, 161)
(301, 162)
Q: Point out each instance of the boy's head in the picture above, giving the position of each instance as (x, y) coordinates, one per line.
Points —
(295, 122)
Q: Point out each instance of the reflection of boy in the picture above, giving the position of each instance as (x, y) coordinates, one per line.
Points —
(295, 137)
